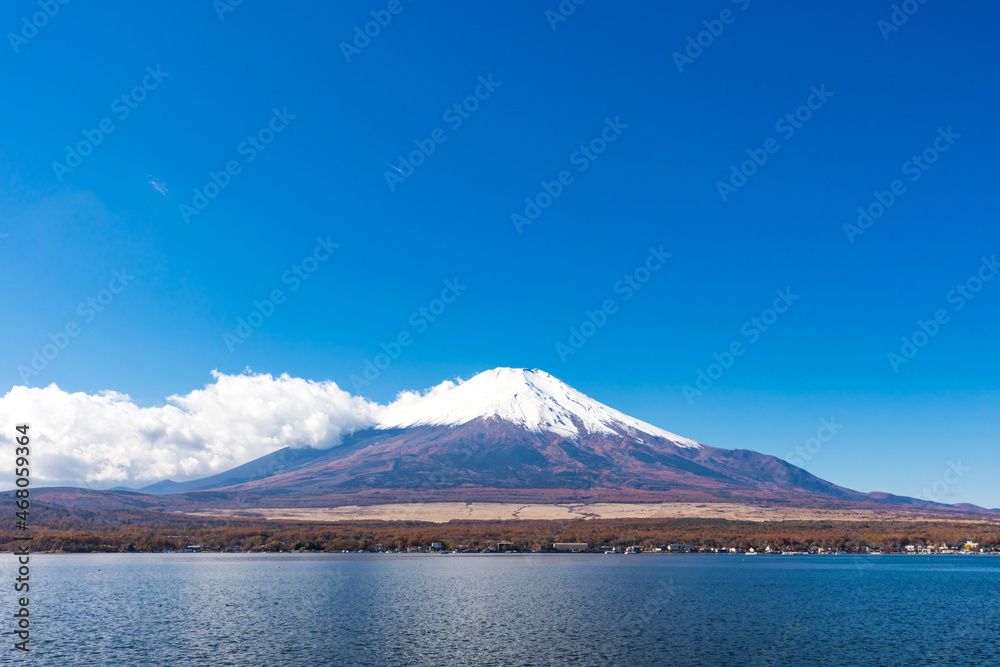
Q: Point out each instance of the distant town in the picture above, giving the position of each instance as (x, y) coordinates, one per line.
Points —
(969, 548)
(64, 530)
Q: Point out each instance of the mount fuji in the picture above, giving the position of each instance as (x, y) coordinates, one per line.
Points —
(518, 435)
(529, 399)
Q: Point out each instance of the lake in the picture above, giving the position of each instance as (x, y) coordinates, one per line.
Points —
(516, 609)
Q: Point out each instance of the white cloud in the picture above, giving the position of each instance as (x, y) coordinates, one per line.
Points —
(409, 398)
(106, 440)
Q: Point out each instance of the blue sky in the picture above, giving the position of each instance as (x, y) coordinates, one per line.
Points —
(329, 127)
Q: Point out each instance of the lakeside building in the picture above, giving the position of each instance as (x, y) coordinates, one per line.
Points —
(571, 546)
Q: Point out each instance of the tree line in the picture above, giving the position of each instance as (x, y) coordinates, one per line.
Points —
(61, 529)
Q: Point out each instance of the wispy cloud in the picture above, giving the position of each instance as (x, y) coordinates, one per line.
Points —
(159, 187)
(387, 163)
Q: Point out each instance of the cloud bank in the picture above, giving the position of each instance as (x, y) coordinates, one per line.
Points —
(106, 440)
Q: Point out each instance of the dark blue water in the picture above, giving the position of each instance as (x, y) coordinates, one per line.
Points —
(207, 609)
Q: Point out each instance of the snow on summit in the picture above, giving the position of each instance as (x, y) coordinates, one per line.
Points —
(531, 399)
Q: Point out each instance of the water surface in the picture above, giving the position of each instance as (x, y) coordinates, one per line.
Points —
(362, 609)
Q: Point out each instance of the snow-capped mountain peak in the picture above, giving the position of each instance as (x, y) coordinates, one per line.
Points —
(529, 398)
